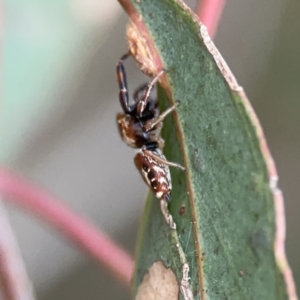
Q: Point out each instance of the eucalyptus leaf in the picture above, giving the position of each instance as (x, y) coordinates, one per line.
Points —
(226, 207)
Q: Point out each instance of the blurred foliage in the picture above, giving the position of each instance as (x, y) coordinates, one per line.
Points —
(41, 40)
(278, 107)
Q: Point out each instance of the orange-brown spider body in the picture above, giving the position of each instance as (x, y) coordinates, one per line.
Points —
(140, 126)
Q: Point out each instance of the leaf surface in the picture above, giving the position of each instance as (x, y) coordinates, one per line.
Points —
(226, 206)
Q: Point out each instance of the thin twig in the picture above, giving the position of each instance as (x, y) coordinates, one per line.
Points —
(209, 13)
(15, 283)
(84, 234)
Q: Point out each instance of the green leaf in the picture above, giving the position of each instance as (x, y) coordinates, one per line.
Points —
(227, 206)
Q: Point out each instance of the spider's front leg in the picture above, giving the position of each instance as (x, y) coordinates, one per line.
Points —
(123, 88)
(150, 124)
(137, 93)
(142, 104)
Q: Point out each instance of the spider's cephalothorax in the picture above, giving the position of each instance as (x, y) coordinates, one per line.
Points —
(140, 127)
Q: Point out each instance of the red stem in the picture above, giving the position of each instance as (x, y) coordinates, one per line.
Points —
(209, 13)
(14, 281)
(73, 226)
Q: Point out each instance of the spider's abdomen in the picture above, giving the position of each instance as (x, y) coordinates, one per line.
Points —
(156, 175)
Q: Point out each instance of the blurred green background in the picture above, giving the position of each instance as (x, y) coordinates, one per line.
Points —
(58, 122)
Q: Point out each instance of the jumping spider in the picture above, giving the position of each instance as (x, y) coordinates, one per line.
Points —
(140, 127)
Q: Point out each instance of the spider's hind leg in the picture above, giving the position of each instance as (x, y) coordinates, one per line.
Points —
(151, 151)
